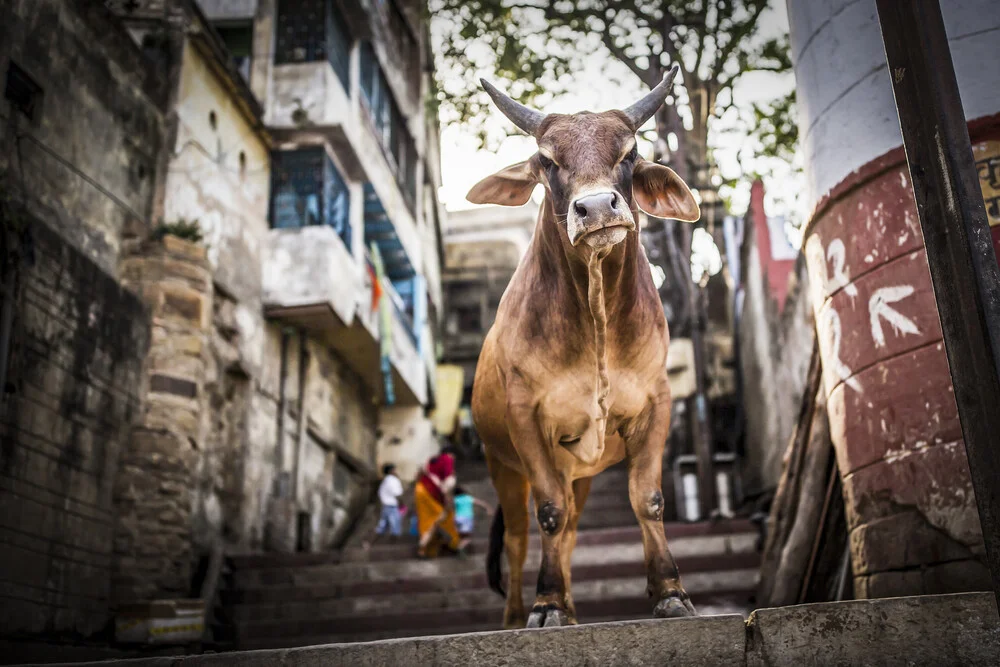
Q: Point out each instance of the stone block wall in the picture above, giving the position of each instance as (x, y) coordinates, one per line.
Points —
(98, 118)
(154, 489)
(72, 389)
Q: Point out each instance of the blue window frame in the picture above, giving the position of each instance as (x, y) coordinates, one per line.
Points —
(312, 30)
(307, 190)
(389, 124)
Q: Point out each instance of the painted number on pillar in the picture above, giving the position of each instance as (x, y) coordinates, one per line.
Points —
(836, 254)
(830, 329)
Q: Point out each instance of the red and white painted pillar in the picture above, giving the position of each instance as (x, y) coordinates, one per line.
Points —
(910, 503)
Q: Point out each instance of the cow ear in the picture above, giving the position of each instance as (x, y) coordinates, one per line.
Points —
(510, 186)
(661, 193)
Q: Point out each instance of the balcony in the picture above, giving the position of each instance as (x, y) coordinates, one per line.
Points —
(312, 281)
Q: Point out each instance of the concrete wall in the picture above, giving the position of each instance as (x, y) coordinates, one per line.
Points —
(72, 390)
(776, 335)
(70, 192)
(115, 133)
(406, 439)
(846, 112)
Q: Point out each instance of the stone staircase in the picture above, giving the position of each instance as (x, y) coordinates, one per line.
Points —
(924, 631)
(285, 600)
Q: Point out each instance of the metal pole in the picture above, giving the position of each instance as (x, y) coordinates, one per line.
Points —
(960, 252)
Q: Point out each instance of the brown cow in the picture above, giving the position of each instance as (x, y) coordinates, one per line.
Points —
(572, 377)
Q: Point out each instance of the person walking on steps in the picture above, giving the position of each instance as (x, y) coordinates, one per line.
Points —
(435, 514)
(390, 518)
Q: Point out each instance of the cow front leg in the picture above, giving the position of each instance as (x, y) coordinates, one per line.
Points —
(581, 488)
(553, 498)
(553, 601)
(644, 486)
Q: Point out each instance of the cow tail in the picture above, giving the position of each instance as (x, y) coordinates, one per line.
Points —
(494, 552)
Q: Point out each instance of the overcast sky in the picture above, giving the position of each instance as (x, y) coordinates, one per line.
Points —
(463, 164)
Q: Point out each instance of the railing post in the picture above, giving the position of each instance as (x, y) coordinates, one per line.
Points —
(960, 253)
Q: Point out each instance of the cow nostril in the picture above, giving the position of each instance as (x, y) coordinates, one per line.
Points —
(614, 201)
(581, 210)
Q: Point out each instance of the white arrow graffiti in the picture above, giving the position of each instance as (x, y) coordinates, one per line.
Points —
(878, 308)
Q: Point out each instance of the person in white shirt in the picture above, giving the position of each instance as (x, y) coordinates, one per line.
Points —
(389, 492)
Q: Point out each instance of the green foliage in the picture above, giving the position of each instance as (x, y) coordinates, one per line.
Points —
(537, 46)
(189, 230)
(775, 127)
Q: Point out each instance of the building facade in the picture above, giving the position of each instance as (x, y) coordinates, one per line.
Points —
(222, 317)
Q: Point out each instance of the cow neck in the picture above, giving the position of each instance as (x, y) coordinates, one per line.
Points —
(599, 281)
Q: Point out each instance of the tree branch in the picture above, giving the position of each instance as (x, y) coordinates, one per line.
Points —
(645, 74)
(737, 33)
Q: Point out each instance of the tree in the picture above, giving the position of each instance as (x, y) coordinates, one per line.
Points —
(537, 45)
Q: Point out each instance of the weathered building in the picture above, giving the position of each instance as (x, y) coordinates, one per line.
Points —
(482, 249)
(170, 392)
(72, 340)
(355, 170)
(775, 340)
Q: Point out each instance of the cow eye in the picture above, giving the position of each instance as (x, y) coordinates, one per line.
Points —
(545, 162)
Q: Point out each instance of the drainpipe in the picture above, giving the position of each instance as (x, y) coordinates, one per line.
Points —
(301, 425)
(6, 317)
(279, 448)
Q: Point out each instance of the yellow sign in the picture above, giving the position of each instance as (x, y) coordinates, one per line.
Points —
(987, 156)
(450, 386)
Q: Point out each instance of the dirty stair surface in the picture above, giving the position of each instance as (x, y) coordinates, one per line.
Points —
(284, 600)
(921, 631)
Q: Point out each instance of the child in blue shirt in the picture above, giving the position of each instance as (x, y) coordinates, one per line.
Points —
(465, 512)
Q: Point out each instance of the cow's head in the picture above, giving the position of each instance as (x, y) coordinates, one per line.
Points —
(591, 170)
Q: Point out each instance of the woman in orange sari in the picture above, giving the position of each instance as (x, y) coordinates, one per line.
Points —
(434, 513)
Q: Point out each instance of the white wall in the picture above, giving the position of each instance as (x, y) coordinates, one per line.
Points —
(847, 116)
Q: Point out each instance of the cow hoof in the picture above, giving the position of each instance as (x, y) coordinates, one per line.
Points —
(547, 616)
(674, 607)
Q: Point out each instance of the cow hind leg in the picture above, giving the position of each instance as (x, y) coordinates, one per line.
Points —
(512, 491)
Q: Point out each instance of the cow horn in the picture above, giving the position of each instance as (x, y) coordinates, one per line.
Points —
(644, 109)
(525, 118)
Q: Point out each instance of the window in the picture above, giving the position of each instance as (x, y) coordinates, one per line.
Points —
(389, 124)
(239, 42)
(470, 318)
(308, 190)
(22, 91)
(312, 30)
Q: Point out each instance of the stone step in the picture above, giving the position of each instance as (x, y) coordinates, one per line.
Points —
(922, 631)
(617, 610)
(598, 599)
(707, 605)
(326, 574)
(444, 592)
(404, 550)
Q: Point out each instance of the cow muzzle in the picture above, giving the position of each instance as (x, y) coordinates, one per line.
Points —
(599, 219)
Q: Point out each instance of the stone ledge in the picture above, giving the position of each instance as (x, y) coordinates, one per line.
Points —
(932, 630)
(961, 629)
